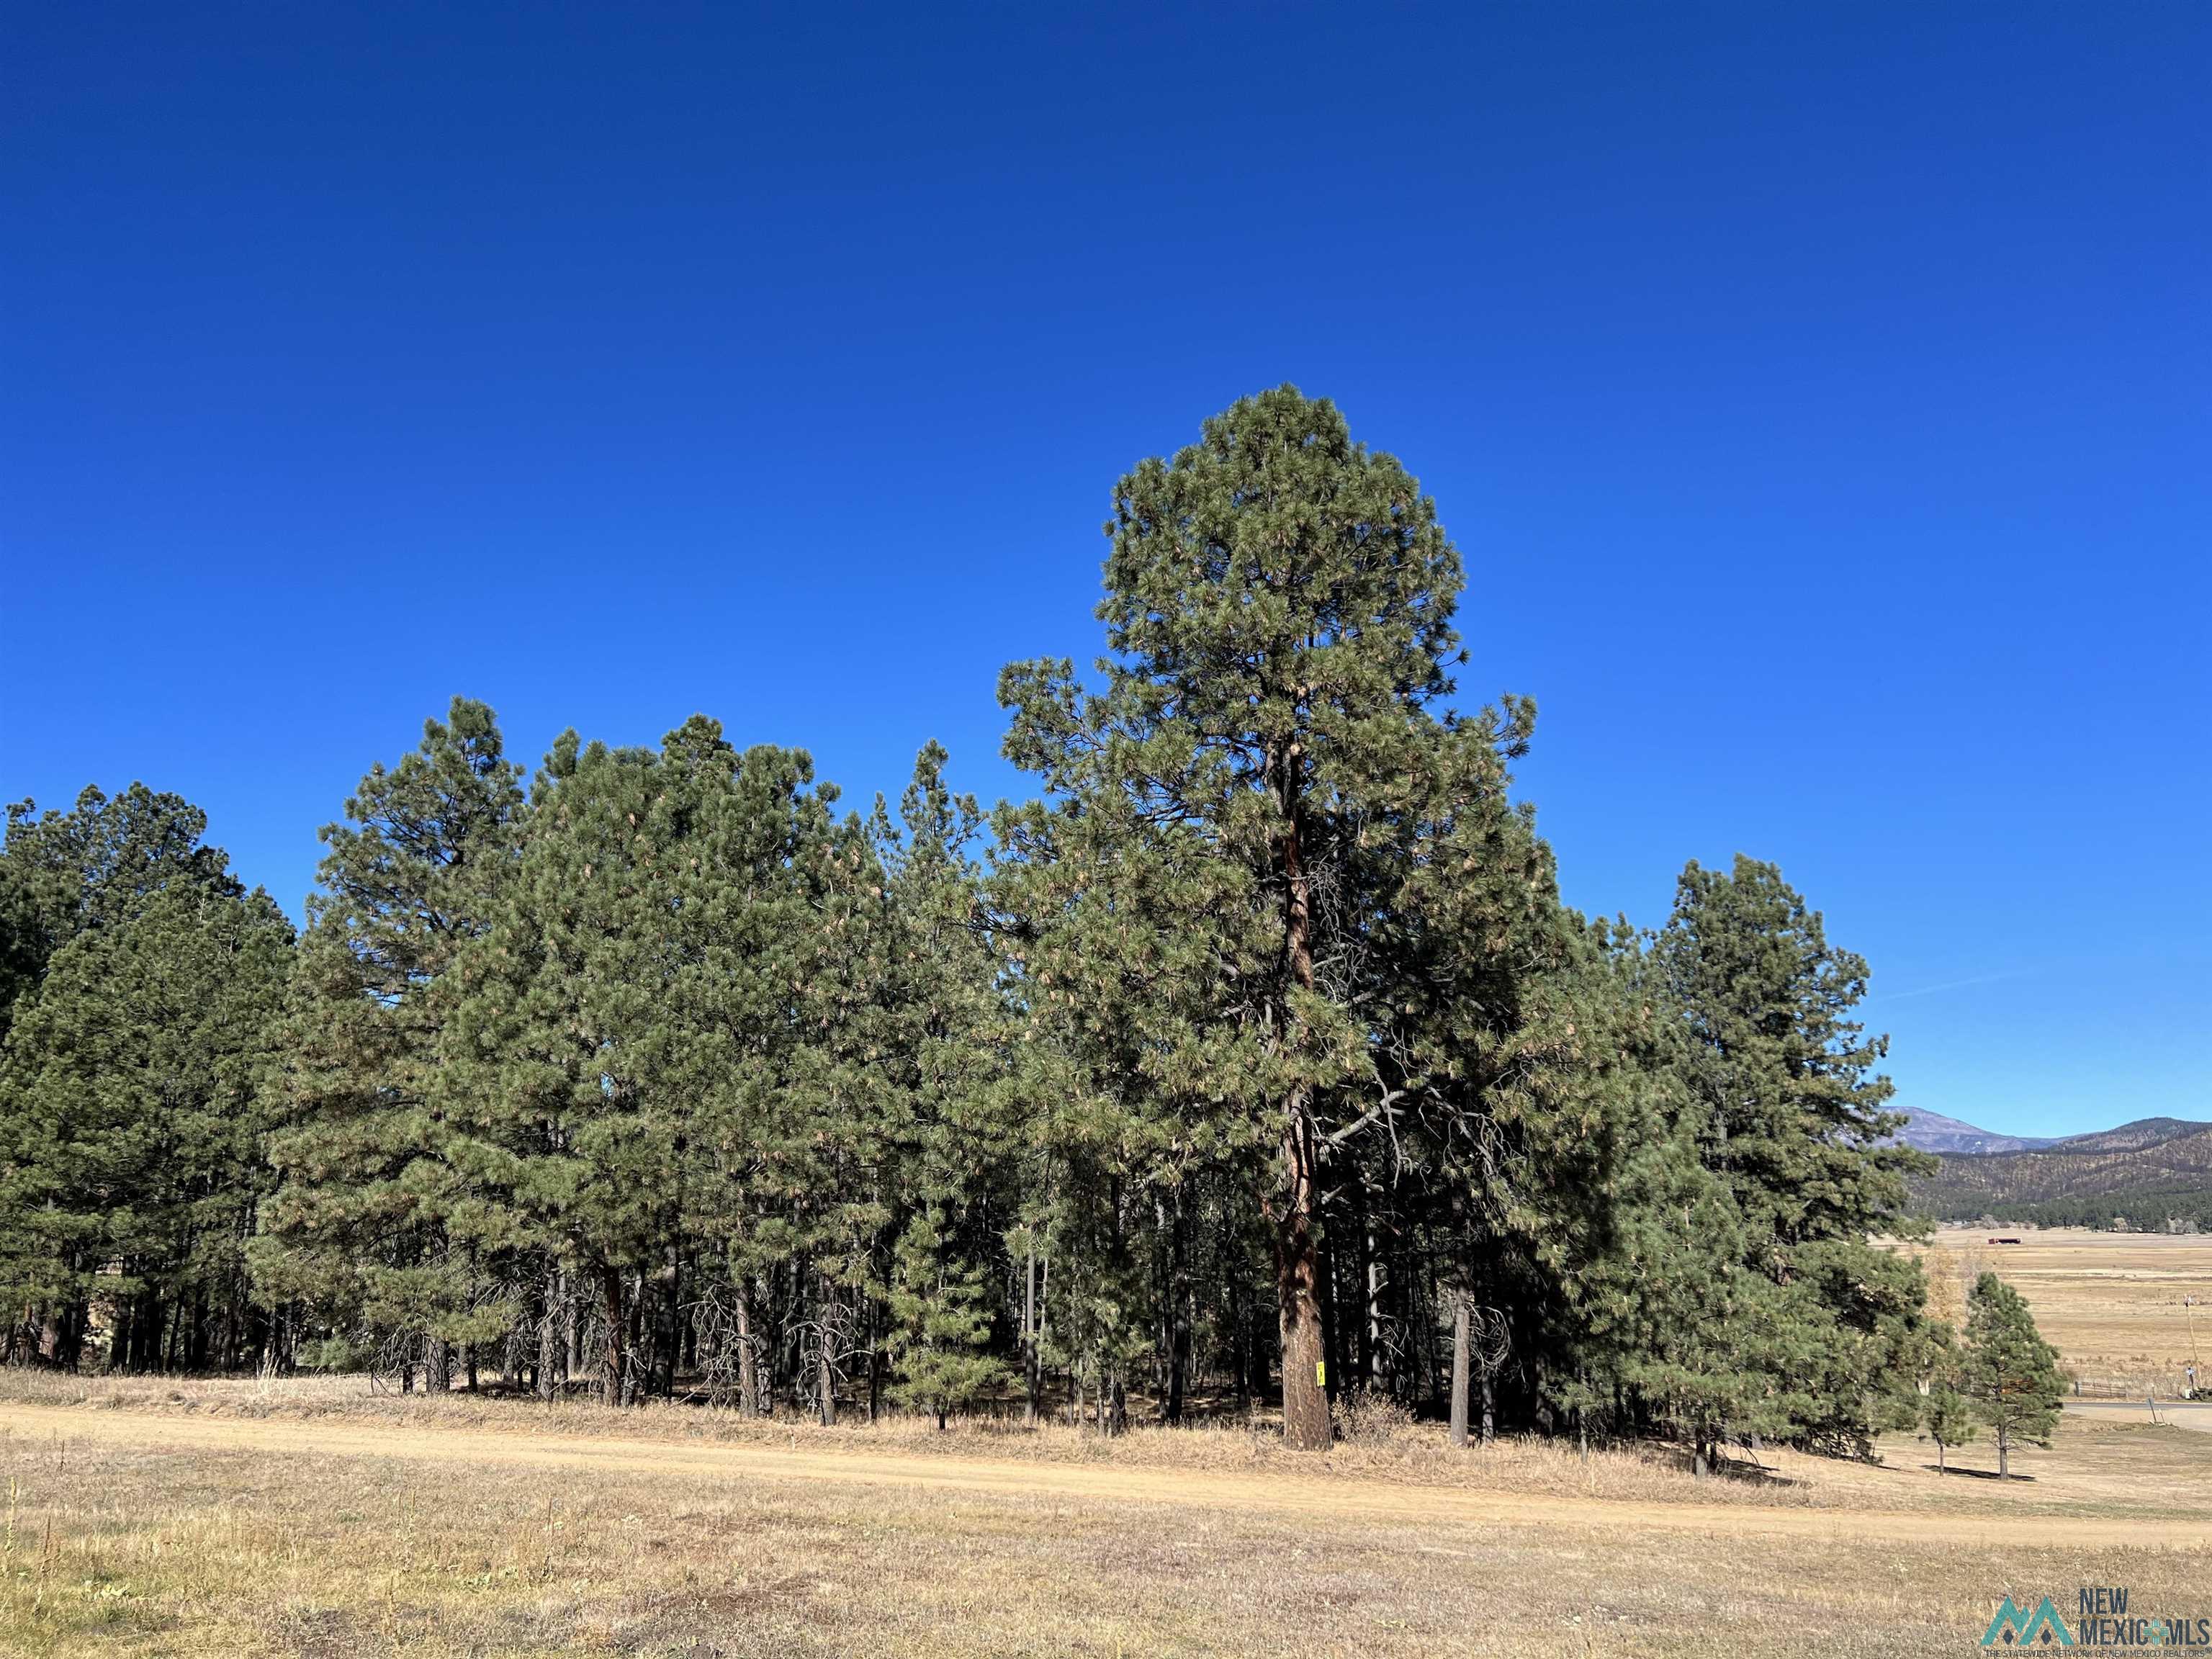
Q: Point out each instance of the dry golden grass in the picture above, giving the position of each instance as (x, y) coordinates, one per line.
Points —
(310, 1518)
(1420, 1455)
(2111, 1302)
(307, 1518)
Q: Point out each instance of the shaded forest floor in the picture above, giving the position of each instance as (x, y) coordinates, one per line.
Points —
(310, 1518)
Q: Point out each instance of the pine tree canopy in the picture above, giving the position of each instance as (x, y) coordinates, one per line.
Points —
(1256, 1057)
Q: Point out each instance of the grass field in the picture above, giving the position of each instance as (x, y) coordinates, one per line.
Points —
(309, 1517)
(2112, 1302)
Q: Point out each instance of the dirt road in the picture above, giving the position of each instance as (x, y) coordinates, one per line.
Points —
(1339, 1497)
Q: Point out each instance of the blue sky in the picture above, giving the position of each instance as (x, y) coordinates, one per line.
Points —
(1818, 394)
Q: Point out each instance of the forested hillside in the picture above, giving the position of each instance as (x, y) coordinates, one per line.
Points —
(1255, 1057)
(2147, 1172)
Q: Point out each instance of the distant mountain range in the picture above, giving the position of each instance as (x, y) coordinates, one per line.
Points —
(1931, 1132)
(2147, 1170)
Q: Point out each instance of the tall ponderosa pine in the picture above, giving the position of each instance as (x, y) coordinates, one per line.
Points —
(1278, 618)
(358, 1227)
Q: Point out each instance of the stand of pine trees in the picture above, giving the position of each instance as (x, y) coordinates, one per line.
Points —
(1255, 1059)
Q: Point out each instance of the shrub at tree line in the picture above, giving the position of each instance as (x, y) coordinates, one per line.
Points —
(1256, 1055)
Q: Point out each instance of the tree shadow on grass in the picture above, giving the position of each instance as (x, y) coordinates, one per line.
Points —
(1975, 1475)
(1741, 1470)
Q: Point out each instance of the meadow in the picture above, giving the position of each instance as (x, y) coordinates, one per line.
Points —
(2111, 1303)
(308, 1517)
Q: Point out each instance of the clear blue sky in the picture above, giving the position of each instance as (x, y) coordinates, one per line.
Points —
(1819, 396)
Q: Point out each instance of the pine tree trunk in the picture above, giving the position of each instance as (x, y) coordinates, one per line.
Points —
(1489, 1404)
(548, 1338)
(1460, 1339)
(748, 1366)
(1178, 1311)
(1298, 1256)
(1033, 1360)
(672, 1327)
(1939, 1458)
(1298, 1274)
(618, 1322)
(193, 1345)
(2004, 1455)
(825, 1386)
(1030, 1376)
(1374, 1284)
(635, 1379)
(118, 1339)
(146, 1333)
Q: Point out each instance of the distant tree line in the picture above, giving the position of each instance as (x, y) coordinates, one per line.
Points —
(1256, 1057)
(2125, 1209)
(2150, 1190)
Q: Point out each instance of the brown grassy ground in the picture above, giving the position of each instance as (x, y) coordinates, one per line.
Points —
(305, 1518)
(2110, 1302)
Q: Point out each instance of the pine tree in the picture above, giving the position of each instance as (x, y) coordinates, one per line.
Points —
(359, 1227)
(101, 861)
(1795, 1119)
(2009, 1372)
(948, 1035)
(80, 891)
(1670, 1327)
(63, 873)
(639, 1065)
(1513, 1111)
(1279, 622)
(1788, 1114)
(940, 1332)
(131, 1148)
(1946, 1411)
(22, 946)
